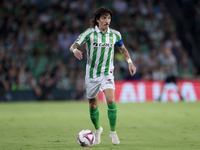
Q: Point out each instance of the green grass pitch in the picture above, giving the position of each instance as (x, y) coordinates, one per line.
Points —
(140, 126)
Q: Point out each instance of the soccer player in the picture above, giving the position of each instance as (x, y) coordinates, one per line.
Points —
(100, 41)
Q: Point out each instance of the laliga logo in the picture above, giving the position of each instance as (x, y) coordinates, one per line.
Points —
(95, 44)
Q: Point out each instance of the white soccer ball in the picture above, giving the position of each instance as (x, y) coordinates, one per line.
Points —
(86, 138)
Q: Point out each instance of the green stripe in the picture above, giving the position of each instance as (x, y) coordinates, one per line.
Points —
(109, 55)
(101, 56)
(88, 50)
(94, 56)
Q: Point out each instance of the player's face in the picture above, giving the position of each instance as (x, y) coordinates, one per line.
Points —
(104, 21)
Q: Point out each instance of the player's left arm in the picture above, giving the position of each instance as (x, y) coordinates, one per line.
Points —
(127, 57)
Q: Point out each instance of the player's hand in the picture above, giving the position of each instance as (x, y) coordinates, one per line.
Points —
(78, 54)
(132, 68)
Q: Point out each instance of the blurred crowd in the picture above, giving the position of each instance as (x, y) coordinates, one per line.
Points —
(35, 36)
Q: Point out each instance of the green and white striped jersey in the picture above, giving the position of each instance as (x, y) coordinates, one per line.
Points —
(100, 50)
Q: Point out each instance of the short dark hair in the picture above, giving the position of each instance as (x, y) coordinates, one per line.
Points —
(98, 13)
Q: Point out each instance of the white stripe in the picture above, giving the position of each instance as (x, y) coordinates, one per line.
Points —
(112, 109)
(94, 112)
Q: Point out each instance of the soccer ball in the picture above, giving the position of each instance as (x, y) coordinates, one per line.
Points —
(86, 138)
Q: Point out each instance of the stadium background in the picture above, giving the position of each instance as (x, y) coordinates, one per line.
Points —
(35, 35)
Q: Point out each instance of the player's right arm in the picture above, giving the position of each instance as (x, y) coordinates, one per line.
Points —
(83, 37)
(77, 53)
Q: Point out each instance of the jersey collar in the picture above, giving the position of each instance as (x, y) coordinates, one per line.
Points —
(98, 31)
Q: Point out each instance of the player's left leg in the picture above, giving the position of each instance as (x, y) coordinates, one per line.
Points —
(112, 114)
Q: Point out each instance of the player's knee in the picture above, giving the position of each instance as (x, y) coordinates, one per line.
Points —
(93, 103)
(93, 106)
(110, 101)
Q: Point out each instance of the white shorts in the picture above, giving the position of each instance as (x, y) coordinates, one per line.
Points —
(94, 86)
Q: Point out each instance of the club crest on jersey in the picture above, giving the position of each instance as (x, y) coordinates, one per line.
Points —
(95, 44)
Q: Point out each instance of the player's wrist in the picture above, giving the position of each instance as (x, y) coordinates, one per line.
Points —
(129, 61)
(74, 50)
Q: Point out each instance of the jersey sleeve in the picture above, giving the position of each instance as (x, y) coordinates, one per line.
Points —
(83, 37)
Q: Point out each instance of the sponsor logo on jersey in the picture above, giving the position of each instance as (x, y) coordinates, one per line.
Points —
(95, 44)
